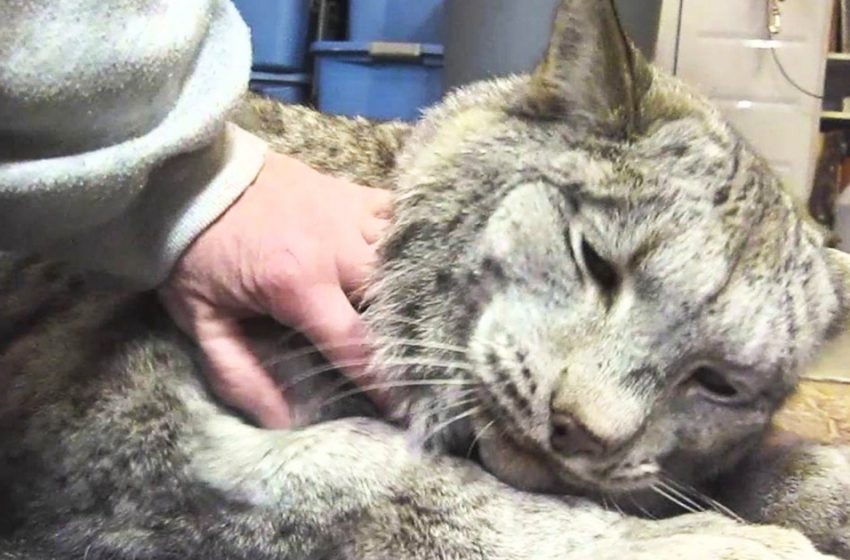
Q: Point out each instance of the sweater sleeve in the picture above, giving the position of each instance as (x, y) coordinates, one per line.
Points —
(114, 147)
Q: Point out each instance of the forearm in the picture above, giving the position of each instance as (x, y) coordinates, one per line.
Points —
(112, 128)
(362, 487)
(179, 200)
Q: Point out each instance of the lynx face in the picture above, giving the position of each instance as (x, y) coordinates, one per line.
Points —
(616, 287)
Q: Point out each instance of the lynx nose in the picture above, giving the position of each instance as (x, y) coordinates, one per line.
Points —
(571, 437)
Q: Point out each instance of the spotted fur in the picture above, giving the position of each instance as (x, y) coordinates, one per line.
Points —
(592, 288)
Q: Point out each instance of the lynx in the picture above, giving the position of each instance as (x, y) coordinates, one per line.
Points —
(592, 300)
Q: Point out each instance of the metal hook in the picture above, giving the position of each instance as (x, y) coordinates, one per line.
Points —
(775, 18)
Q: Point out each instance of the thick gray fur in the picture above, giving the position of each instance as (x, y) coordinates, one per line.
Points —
(592, 288)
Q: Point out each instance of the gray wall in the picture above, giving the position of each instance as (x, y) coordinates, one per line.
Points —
(486, 38)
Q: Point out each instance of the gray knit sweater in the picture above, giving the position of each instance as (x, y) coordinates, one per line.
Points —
(114, 152)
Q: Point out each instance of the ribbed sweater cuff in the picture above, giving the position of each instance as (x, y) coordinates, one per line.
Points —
(245, 154)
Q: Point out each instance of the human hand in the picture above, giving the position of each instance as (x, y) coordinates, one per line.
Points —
(295, 246)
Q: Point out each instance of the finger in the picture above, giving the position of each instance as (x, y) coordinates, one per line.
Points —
(373, 229)
(238, 377)
(355, 267)
(336, 327)
(379, 202)
(339, 331)
(183, 314)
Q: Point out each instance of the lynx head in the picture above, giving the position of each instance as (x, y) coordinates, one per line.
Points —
(594, 278)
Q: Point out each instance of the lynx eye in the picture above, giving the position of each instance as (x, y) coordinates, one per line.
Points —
(714, 384)
(603, 272)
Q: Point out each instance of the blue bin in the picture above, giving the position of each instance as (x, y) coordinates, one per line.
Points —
(278, 32)
(289, 88)
(408, 21)
(378, 80)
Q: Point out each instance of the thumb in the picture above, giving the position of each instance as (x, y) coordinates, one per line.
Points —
(237, 375)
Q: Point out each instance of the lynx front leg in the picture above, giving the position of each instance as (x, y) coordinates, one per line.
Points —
(357, 489)
(796, 484)
(703, 536)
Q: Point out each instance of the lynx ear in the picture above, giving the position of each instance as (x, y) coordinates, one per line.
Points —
(590, 70)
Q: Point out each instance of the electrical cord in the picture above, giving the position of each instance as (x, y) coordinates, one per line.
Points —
(788, 78)
(770, 35)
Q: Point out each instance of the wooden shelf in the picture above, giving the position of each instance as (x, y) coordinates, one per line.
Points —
(836, 89)
(834, 120)
(837, 84)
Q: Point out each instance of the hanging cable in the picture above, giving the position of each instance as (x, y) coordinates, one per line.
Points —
(774, 27)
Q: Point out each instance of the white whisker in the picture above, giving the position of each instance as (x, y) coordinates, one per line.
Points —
(443, 425)
(454, 405)
(478, 437)
(673, 500)
(395, 385)
(324, 349)
(616, 505)
(714, 504)
(343, 364)
(682, 496)
(641, 508)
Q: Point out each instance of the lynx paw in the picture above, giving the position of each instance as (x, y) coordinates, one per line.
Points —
(814, 497)
(707, 536)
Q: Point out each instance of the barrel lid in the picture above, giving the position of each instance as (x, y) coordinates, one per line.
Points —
(381, 49)
(281, 77)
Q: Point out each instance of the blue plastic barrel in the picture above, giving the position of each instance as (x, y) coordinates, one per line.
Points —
(378, 80)
(278, 32)
(410, 21)
(289, 88)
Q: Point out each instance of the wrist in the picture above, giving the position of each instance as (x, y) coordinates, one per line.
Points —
(243, 157)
